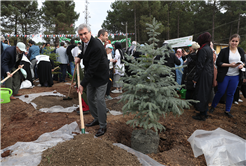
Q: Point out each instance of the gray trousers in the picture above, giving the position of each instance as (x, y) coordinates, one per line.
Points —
(33, 62)
(14, 82)
(97, 105)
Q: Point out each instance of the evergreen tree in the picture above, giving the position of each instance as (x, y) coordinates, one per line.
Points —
(59, 17)
(20, 17)
(146, 94)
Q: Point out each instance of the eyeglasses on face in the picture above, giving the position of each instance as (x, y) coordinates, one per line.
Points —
(85, 33)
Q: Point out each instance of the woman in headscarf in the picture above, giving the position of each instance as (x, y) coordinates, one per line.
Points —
(203, 78)
(178, 72)
(229, 63)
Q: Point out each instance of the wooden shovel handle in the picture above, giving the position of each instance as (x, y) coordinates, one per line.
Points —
(80, 103)
(71, 82)
(12, 74)
(56, 68)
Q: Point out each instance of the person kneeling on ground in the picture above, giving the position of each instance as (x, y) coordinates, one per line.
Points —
(45, 67)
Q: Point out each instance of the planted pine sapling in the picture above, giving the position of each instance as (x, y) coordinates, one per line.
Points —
(150, 92)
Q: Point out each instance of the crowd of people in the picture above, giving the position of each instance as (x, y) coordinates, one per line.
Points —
(206, 76)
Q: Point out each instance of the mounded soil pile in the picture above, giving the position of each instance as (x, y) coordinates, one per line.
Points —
(86, 150)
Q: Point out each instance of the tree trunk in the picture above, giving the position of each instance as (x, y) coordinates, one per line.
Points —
(213, 21)
(238, 23)
(135, 21)
(15, 41)
(168, 13)
(231, 30)
(178, 25)
(139, 36)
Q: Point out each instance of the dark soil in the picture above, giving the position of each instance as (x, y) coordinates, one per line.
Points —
(48, 101)
(87, 150)
(22, 122)
(6, 153)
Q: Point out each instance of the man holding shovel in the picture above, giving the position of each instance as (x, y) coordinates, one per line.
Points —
(10, 61)
(95, 78)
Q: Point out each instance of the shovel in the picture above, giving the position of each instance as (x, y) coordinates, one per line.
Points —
(12, 74)
(80, 104)
(69, 98)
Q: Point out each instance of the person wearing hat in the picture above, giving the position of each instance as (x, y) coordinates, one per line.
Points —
(109, 49)
(203, 77)
(10, 61)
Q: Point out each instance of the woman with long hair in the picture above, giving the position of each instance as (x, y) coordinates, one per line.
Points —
(203, 78)
(119, 68)
(229, 63)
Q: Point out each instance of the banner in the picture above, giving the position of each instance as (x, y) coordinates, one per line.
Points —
(180, 42)
(60, 35)
(61, 39)
(123, 40)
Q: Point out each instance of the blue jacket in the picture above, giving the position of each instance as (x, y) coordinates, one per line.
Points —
(8, 60)
(33, 52)
(5, 46)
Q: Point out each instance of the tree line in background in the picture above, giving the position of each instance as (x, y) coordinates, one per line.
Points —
(24, 17)
(179, 19)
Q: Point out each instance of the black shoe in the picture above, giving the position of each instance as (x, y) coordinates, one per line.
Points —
(211, 110)
(206, 116)
(229, 114)
(199, 117)
(93, 123)
(107, 110)
(101, 131)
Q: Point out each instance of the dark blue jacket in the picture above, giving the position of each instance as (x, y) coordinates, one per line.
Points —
(8, 60)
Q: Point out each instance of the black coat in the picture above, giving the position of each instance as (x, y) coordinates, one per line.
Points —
(190, 70)
(45, 73)
(69, 54)
(223, 57)
(204, 77)
(8, 60)
(171, 61)
(96, 65)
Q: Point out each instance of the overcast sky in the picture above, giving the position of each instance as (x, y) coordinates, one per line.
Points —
(97, 11)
